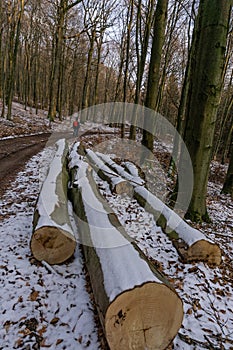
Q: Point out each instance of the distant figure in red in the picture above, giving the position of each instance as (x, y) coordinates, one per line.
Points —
(76, 127)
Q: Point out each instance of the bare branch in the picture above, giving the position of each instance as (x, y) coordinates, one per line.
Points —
(72, 5)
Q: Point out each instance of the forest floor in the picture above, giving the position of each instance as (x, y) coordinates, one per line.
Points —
(52, 307)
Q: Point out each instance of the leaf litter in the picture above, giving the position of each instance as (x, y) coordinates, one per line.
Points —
(43, 307)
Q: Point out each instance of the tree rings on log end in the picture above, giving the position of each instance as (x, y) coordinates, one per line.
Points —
(123, 188)
(52, 245)
(204, 251)
(146, 317)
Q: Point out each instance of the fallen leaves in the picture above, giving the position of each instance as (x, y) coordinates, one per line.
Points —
(34, 295)
(54, 320)
(7, 325)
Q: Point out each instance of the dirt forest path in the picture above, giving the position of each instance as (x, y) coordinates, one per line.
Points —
(14, 153)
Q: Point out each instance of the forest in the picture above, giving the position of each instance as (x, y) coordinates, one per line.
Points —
(174, 57)
(117, 234)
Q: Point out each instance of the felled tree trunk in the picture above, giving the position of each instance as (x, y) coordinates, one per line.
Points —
(53, 239)
(190, 243)
(127, 175)
(138, 308)
(117, 184)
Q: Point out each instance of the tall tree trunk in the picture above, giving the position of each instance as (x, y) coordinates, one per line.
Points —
(228, 184)
(204, 93)
(36, 79)
(62, 10)
(60, 85)
(127, 59)
(226, 115)
(182, 112)
(86, 87)
(1, 54)
(3, 86)
(141, 57)
(57, 60)
(99, 44)
(169, 34)
(13, 58)
(227, 143)
(73, 78)
(154, 69)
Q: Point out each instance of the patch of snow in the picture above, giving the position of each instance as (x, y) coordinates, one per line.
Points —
(73, 155)
(132, 169)
(120, 170)
(115, 178)
(39, 306)
(23, 135)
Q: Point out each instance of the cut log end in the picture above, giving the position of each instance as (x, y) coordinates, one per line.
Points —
(52, 245)
(146, 317)
(205, 251)
(123, 188)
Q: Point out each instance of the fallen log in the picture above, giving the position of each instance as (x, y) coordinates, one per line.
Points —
(131, 169)
(53, 240)
(191, 244)
(134, 180)
(117, 184)
(137, 306)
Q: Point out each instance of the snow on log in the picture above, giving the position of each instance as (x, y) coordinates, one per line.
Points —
(137, 306)
(117, 184)
(132, 169)
(134, 180)
(190, 243)
(53, 240)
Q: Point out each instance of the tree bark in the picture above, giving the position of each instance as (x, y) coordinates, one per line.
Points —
(207, 66)
(56, 77)
(13, 51)
(57, 60)
(191, 244)
(228, 184)
(1, 45)
(141, 56)
(137, 307)
(117, 184)
(86, 87)
(129, 23)
(154, 69)
(181, 117)
(53, 240)
(226, 115)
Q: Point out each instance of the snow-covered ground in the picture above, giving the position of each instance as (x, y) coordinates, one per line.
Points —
(39, 305)
(207, 293)
(23, 122)
(53, 307)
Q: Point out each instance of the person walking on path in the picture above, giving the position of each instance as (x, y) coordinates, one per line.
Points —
(76, 126)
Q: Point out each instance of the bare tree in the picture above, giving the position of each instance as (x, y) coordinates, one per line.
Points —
(15, 15)
(142, 37)
(63, 7)
(155, 60)
(228, 184)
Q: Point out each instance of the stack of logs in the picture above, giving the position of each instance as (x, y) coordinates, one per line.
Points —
(137, 306)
